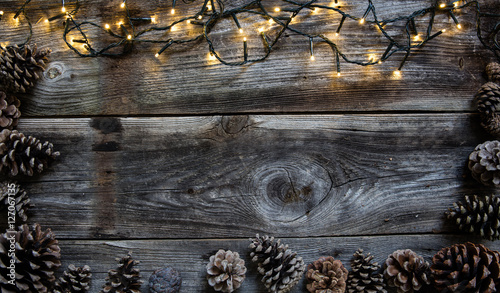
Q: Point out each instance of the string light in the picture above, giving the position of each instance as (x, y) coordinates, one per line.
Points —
(1, 14)
(213, 16)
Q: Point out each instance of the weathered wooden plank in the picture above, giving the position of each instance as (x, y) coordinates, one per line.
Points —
(190, 257)
(443, 76)
(228, 176)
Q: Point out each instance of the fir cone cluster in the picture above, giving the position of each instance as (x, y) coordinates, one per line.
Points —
(74, 280)
(493, 72)
(466, 268)
(21, 200)
(125, 278)
(326, 275)
(364, 277)
(24, 155)
(226, 271)
(20, 67)
(9, 107)
(480, 215)
(281, 268)
(166, 280)
(484, 163)
(38, 257)
(406, 271)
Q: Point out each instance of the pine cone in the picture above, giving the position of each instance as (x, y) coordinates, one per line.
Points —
(21, 200)
(466, 268)
(326, 275)
(124, 279)
(226, 271)
(25, 155)
(37, 256)
(9, 105)
(491, 124)
(165, 280)
(406, 270)
(484, 162)
(493, 72)
(478, 214)
(487, 99)
(282, 268)
(364, 277)
(20, 67)
(74, 280)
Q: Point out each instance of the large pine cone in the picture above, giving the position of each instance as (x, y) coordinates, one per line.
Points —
(480, 215)
(281, 268)
(20, 67)
(9, 105)
(25, 155)
(74, 280)
(406, 270)
(21, 200)
(493, 72)
(226, 271)
(326, 275)
(364, 277)
(484, 163)
(166, 280)
(37, 256)
(125, 278)
(466, 268)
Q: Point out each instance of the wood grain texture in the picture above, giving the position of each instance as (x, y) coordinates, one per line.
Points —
(183, 81)
(190, 257)
(223, 177)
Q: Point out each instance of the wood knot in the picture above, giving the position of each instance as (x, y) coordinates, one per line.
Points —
(55, 70)
(234, 124)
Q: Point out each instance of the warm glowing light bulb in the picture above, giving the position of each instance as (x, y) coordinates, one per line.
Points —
(106, 26)
(200, 17)
(129, 37)
(379, 62)
(455, 4)
(211, 57)
(416, 38)
(443, 30)
(63, 9)
(153, 19)
(47, 20)
(244, 39)
(260, 30)
(338, 74)
(157, 55)
(1, 12)
(397, 73)
(336, 34)
(172, 11)
(313, 58)
(119, 23)
(315, 10)
(361, 21)
(189, 21)
(277, 9)
(442, 5)
(173, 28)
(459, 26)
(122, 5)
(240, 30)
(271, 21)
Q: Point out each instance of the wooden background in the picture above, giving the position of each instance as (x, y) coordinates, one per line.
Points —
(176, 157)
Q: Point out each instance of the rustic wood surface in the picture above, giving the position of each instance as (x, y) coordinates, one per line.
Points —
(175, 157)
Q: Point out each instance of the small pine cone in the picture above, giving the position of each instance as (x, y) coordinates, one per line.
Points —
(21, 200)
(20, 67)
(364, 277)
(38, 257)
(226, 271)
(9, 107)
(466, 268)
(491, 124)
(487, 99)
(493, 72)
(480, 215)
(326, 275)
(74, 280)
(25, 155)
(484, 163)
(406, 270)
(282, 268)
(165, 280)
(125, 278)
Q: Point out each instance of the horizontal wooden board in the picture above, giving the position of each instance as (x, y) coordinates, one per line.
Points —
(190, 257)
(442, 76)
(231, 176)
